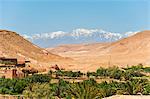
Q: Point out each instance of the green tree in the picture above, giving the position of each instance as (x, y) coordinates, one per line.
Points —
(102, 72)
(38, 91)
(12, 86)
(134, 86)
(60, 88)
(40, 78)
(146, 90)
(108, 89)
(84, 91)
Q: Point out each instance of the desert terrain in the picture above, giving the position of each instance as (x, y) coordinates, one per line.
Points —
(125, 52)
(79, 67)
(84, 57)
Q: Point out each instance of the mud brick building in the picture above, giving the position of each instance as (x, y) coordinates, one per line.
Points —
(11, 67)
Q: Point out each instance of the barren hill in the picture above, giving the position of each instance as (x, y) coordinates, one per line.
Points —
(139, 42)
(128, 51)
(77, 47)
(13, 45)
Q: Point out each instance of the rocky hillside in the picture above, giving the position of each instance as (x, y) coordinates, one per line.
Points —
(13, 45)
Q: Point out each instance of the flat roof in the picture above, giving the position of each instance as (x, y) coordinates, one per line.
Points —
(7, 58)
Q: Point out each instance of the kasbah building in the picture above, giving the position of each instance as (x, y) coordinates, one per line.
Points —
(12, 67)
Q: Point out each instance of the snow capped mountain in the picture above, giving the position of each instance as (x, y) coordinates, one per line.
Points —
(130, 33)
(83, 32)
(80, 35)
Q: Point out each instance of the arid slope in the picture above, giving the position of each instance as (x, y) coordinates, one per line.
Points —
(13, 45)
(128, 51)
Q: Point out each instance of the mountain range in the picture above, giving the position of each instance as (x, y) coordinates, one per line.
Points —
(76, 36)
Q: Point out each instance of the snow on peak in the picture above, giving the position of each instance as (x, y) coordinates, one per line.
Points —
(130, 33)
(83, 32)
(79, 35)
(50, 35)
(57, 34)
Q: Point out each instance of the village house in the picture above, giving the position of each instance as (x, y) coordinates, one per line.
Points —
(11, 67)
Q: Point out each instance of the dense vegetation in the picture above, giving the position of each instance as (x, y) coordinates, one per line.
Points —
(126, 81)
(68, 73)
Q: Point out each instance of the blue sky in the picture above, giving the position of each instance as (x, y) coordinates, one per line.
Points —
(40, 16)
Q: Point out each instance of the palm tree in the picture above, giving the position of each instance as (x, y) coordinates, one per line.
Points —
(38, 91)
(84, 91)
(134, 86)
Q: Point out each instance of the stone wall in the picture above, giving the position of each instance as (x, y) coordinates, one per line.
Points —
(8, 73)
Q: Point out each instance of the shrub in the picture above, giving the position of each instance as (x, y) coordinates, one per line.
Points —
(40, 78)
(12, 86)
(146, 90)
(38, 91)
